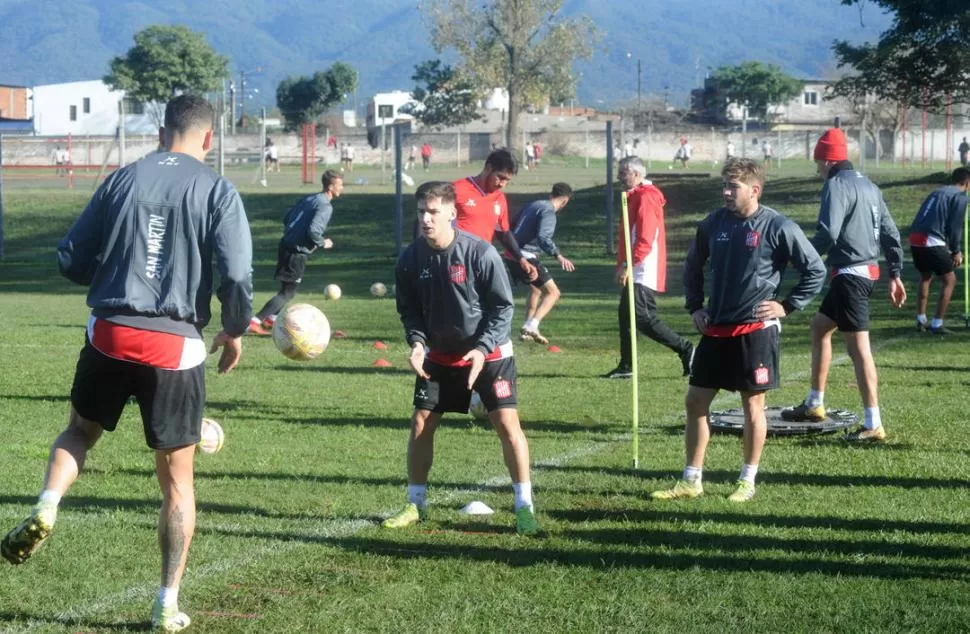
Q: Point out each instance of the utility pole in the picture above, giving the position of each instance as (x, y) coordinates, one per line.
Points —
(638, 95)
(232, 107)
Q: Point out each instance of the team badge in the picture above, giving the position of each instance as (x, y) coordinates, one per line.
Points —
(458, 273)
(503, 389)
(752, 239)
(761, 376)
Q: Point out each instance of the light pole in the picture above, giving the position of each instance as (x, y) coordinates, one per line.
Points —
(639, 74)
(242, 89)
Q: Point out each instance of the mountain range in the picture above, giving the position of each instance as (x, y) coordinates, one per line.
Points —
(676, 41)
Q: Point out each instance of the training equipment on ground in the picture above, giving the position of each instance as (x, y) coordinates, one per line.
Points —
(378, 290)
(212, 436)
(407, 180)
(477, 508)
(301, 332)
(332, 291)
(476, 408)
(731, 421)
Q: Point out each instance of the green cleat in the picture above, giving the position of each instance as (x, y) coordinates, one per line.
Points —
(743, 493)
(525, 521)
(411, 514)
(683, 490)
(804, 414)
(867, 435)
(24, 540)
(168, 619)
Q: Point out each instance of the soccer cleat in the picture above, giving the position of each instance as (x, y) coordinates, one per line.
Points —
(743, 493)
(528, 334)
(24, 540)
(867, 435)
(268, 324)
(257, 329)
(525, 521)
(168, 619)
(922, 326)
(683, 490)
(619, 372)
(525, 334)
(687, 358)
(941, 331)
(411, 514)
(804, 414)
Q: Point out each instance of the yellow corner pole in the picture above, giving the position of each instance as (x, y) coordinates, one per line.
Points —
(633, 329)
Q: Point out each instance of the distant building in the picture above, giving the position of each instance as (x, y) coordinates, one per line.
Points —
(15, 102)
(808, 109)
(87, 108)
(385, 108)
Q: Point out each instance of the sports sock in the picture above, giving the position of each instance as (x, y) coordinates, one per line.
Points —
(815, 398)
(921, 318)
(873, 420)
(748, 472)
(49, 498)
(254, 321)
(693, 474)
(168, 597)
(523, 494)
(531, 324)
(418, 495)
(936, 323)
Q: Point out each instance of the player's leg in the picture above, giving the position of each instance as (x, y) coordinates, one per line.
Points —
(755, 432)
(290, 267)
(544, 296)
(922, 299)
(650, 324)
(948, 282)
(549, 295)
(424, 424)
(942, 266)
(867, 378)
(624, 369)
(812, 409)
(176, 527)
(697, 434)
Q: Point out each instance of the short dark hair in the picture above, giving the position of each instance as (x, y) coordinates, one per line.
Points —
(187, 112)
(501, 160)
(561, 189)
(440, 190)
(329, 177)
(960, 176)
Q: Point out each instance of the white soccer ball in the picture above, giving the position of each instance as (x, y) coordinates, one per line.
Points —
(212, 436)
(378, 290)
(301, 332)
(332, 291)
(407, 180)
(476, 408)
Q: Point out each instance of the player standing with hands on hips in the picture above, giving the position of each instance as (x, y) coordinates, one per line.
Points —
(454, 299)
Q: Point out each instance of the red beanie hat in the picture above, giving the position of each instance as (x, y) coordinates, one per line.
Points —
(832, 146)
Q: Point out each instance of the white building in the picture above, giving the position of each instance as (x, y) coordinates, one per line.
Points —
(85, 108)
(385, 108)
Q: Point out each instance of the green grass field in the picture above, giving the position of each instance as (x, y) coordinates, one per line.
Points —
(839, 538)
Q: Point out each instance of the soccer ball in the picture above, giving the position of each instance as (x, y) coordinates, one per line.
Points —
(212, 436)
(407, 180)
(476, 408)
(301, 332)
(332, 291)
(378, 290)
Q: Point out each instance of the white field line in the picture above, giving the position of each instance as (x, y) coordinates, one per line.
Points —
(344, 528)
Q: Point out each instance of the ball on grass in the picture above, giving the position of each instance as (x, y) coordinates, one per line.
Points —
(332, 291)
(377, 289)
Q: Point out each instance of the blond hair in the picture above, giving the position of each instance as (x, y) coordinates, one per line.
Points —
(748, 171)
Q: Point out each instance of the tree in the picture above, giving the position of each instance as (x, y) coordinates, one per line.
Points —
(754, 83)
(525, 46)
(443, 96)
(921, 61)
(166, 61)
(303, 99)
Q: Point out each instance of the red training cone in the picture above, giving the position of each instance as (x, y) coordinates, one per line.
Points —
(553, 349)
(339, 334)
(382, 363)
(380, 345)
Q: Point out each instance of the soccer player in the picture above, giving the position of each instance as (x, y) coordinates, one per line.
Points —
(649, 250)
(304, 226)
(144, 245)
(936, 242)
(748, 246)
(534, 229)
(455, 302)
(853, 223)
(483, 209)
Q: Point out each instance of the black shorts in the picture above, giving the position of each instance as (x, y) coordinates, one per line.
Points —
(447, 391)
(847, 302)
(935, 260)
(746, 363)
(171, 401)
(518, 275)
(290, 266)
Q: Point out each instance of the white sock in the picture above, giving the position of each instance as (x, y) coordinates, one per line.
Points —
(48, 497)
(921, 318)
(815, 398)
(168, 597)
(523, 494)
(531, 324)
(936, 323)
(254, 321)
(271, 319)
(748, 472)
(418, 495)
(693, 474)
(873, 420)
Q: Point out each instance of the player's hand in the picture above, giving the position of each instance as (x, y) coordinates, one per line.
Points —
(477, 357)
(417, 360)
(957, 259)
(327, 243)
(566, 264)
(701, 318)
(769, 309)
(621, 275)
(897, 292)
(231, 351)
(530, 270)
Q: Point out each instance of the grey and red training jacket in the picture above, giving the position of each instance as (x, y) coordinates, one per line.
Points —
(747, 259)
(940, 220)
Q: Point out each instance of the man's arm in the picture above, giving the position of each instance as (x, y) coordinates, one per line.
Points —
(318, 224)
(233, 248)
(496, 297)
(806, 260)
(546, 230)
(831, 216)
(79, 253)
(408, 301)
(889, 240)
(697, 255)
(507, 239)
(955, 219)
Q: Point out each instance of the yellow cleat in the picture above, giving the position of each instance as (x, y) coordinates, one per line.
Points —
(743, 493)
(683, 490)
(804, 414)
(411, 514)
(24, 540)
(867, 435)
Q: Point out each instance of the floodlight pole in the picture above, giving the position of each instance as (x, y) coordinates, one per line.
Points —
(398, 194)
(609, 187)
(635, 414)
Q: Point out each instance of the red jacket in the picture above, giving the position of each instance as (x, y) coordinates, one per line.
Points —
(646, 207)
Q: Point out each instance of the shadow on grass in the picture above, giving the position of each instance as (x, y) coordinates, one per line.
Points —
(20, 620)
(367, 369)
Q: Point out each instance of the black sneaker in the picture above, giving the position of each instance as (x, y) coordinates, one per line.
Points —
(687, 358)
(619, 372)
(939, 331)
(922, 326)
